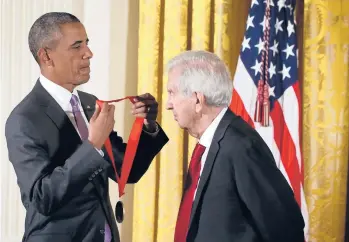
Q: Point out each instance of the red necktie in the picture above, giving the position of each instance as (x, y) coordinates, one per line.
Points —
(193, 175)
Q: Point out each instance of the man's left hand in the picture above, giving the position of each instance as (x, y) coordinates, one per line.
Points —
(146, 106)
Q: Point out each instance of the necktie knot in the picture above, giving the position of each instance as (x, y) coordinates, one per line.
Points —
(195, 162)
(79, 119)
(74, 101)
(198, 151)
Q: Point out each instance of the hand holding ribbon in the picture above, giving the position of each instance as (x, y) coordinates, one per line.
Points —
(101, 124)
(145, 108)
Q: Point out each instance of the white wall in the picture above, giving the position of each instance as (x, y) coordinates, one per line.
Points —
(112, 26)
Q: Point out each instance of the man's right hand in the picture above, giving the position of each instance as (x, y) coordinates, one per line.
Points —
(101, 125)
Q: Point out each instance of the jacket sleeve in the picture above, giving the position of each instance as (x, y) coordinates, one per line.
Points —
(45, 186)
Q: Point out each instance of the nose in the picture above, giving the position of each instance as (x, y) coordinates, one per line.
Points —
(88, 53)
(169, 105)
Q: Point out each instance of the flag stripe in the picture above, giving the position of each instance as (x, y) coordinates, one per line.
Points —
(289, 109)
(245, 88)
(287, 149)
(240, 108)
(297, 91)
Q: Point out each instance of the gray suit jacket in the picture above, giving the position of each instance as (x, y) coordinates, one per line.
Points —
(64, 181)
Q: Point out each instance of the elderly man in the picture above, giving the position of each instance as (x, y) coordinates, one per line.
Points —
(55, 140)
(234, 191)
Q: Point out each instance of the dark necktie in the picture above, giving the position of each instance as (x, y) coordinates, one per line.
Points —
(184, 213)
(83, 131)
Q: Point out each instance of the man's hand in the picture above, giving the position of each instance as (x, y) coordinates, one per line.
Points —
(146, 107)
(101, 125)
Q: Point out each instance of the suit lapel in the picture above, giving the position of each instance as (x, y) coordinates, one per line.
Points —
(55, 112)
(210, 160)
(87, 105)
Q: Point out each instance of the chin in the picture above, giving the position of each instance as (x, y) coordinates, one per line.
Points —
(83, 79)
(180, 125)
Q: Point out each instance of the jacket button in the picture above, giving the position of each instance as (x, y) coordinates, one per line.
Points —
(96, 172)
(102, 231)
(100, 169)
(90, 178)
(93, 175)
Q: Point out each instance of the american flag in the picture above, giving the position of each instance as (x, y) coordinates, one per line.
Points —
(274, 30)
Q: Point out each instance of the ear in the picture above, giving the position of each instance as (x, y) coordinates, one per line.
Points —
(200, 101)
(44, 57)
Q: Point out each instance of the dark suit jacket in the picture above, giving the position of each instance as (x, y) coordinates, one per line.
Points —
(64, 181)
(242, 196)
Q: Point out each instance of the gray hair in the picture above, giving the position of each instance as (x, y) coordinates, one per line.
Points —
(204, 72)
(46, 31)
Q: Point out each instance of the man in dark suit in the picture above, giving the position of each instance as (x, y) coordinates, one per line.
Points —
(55, 140)
(234, 190)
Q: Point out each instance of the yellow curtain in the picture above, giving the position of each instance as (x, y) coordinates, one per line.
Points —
(326, 116)
(166, 28)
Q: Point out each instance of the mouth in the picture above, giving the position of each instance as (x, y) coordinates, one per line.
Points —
(85, 69)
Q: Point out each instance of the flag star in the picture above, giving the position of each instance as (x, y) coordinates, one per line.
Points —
(290, 8)
(250, 22)
(290, 28)
(285, 72)
(274, 48)
(271, 3)
(288, 51)
(281, 4)
(272, 70)
(278, 25)
(246, 44)
(271, 91)
(254, 2)
(257, 67)
(260, 45)
(264, 22)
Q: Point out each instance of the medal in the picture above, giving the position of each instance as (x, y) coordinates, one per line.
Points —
(119, 212)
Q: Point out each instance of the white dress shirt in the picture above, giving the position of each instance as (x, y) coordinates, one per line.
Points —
(62, 96)
(207, 137)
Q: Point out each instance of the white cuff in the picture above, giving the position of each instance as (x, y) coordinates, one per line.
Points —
(100, 152)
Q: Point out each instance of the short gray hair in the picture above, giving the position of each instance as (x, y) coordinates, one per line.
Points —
(46, 31)
(204, 72)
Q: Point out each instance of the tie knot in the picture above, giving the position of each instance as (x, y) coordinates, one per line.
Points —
(198, 151)
(74, 101)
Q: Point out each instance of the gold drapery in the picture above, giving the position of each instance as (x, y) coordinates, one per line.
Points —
(325, 116)
(166, 28)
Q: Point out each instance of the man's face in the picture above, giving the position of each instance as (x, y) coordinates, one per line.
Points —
(71, 56)
(183, 107)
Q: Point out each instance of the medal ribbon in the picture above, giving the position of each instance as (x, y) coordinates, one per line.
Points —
(131, 147)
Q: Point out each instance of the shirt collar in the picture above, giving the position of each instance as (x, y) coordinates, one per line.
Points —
(207, 136)
(59, 93)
